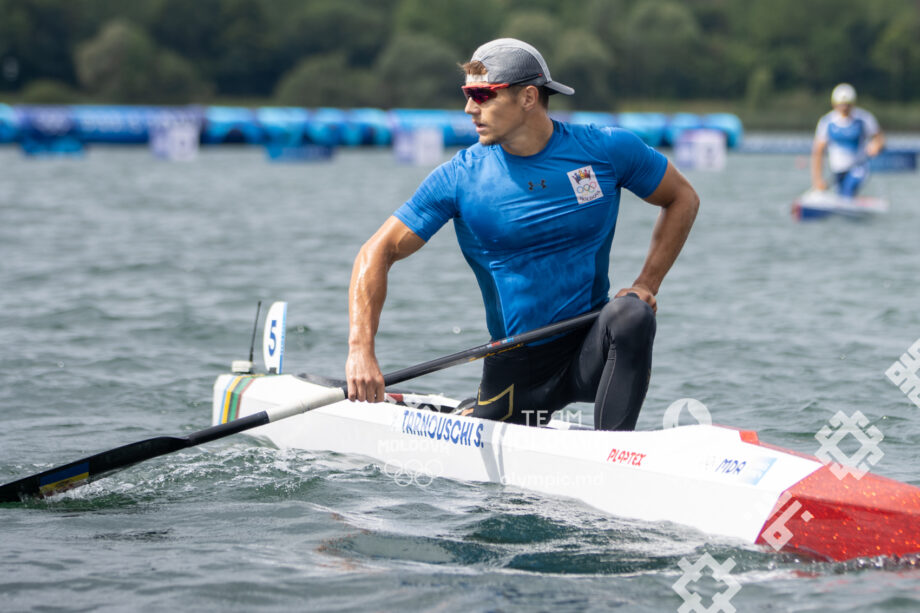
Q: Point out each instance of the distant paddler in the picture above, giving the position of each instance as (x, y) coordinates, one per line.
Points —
(534, 205)
(850, 135)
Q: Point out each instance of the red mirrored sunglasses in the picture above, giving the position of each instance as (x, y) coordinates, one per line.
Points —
(481, 93)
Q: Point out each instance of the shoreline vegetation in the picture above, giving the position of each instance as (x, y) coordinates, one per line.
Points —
(772, 63)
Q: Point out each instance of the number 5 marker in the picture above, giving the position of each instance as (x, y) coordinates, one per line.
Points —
(273, 337)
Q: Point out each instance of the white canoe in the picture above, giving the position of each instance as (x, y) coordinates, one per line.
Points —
(816, 204)
(722, 481)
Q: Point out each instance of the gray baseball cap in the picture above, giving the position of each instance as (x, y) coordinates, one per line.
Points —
(509, 60)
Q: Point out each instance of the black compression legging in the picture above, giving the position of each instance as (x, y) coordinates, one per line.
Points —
(609, 364)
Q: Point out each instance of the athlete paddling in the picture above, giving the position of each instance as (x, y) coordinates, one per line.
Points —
(534, 205)
(850, 135)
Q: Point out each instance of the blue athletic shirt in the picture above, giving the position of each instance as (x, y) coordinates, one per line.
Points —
(537, 230)
(846, 137)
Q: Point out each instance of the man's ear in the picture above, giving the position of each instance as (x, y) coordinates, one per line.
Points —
(529, 97)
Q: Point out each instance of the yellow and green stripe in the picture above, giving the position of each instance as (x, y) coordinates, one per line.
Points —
(233, 395)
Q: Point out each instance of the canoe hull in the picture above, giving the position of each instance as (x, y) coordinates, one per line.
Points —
(719, 480)
(819, 205)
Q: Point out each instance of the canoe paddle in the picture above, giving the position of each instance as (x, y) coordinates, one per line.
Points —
(90, 468)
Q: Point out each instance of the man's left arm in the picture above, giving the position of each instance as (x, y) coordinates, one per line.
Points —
(875, 144)
(876, 140)
(679, 203)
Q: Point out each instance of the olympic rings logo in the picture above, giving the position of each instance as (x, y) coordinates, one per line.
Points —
(587, 189)
(413, 472)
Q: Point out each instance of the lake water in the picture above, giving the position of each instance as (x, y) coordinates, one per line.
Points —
(128, 284)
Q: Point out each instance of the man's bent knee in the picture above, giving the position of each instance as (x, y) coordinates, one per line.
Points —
(629, 321)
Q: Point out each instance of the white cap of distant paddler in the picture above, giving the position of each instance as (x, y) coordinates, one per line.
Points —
(843, 94)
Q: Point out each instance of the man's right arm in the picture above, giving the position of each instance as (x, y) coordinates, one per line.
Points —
(366, 294)
(817, 164)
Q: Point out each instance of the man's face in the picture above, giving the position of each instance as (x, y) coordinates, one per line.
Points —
(498, 118)
(843, 108)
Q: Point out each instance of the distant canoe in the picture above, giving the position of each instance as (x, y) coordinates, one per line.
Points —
(815, 204)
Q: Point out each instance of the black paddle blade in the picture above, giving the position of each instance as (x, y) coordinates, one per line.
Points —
(93, 467)
(88, 469)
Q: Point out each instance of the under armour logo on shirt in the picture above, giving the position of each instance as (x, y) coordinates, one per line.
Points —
(530, 184)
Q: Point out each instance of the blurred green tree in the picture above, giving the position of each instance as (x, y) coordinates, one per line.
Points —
(759, 88)
(117, 64)
(358, 29)
(583, 62)
(244, 64)
(122, 64)
(35, 39)
(809, 45)
(326, 80)
(538, 28)
(662, 44)
(49, 91)
(630, 48)
(191, 29)
(462, 25)
(419, 70)
(896, 55)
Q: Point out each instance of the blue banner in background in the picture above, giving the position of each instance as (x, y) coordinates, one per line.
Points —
(9, 126)
(294, 126)
(130, 124)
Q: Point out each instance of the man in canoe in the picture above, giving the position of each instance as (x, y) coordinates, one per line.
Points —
(534, 205)
(851, 136)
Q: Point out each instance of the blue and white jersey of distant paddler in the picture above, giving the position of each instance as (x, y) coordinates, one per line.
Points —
(537, 230)
(846, 137)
